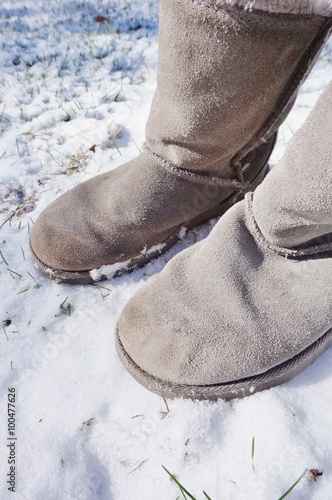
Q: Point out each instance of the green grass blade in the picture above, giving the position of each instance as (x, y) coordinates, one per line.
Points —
(167, 408)
(3, 258)
(293, 486)
(14, 272)
(182, 488)
(206, 495)
(116, 147)
(62, 305)
(11, 216)
(37, 285)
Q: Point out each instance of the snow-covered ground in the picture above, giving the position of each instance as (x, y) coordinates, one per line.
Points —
(75, 91)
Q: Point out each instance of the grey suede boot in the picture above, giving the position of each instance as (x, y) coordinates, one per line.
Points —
(227, 76)
(251, 305)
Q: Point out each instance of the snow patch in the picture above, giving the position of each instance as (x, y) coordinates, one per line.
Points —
(109, 271)
(182, 233)
(58, 84)
(155, 248)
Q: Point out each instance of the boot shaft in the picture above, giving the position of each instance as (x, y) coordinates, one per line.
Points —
(225, 76)
(293, 207)
(303, 7)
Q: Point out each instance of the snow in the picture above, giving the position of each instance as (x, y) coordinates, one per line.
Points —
(74, 98)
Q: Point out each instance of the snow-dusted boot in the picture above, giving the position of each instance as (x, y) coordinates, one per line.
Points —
(251, 305)
(228, 72)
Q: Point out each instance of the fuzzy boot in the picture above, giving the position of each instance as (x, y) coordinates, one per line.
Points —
(227, 75)
(251, 305)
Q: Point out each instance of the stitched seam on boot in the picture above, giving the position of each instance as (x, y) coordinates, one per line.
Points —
(286, 252)
(187, 174)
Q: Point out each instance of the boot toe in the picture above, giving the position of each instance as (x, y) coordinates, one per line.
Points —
(226, 317)
(54, 242)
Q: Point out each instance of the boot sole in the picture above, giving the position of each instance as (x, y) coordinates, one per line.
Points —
(237, 389)
(84, 277)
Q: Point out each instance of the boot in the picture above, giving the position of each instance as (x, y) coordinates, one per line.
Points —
(227, 76)
(250, 306)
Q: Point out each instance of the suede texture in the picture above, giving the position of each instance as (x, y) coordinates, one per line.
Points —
(304, 7)
(231, 307)
(226, 77)
(118, 215)
(204, 127)
(298, 215)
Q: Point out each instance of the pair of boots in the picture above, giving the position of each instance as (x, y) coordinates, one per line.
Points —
(250, 306)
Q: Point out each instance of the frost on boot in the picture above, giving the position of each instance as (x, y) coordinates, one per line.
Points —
(293, 207)
(226, 77)
(302, 7)
(231, 315)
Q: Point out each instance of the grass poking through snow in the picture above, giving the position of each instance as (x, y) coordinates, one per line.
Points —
(184, 491)
(293, 486)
